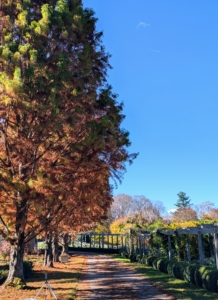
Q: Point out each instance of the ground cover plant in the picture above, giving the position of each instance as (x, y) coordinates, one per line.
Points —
(63, 279)
(175, 287)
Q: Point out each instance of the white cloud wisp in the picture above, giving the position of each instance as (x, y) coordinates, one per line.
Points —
(143, 24)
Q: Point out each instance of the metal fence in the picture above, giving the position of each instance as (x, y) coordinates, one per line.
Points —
(98, 241)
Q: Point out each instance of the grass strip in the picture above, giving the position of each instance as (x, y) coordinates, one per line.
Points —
(178, 288)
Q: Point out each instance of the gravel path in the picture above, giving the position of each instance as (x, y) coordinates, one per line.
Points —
(105, 278)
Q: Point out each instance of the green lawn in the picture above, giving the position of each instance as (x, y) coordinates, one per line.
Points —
(178, 288)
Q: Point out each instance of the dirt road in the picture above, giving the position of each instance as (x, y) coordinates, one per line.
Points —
(105, 278)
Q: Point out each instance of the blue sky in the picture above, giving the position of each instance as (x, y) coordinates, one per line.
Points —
(165, 70)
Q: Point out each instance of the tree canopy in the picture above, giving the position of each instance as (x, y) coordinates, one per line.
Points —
(60, 121)
(183, 200)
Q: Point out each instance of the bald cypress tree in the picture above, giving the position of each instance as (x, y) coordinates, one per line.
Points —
(58, 117)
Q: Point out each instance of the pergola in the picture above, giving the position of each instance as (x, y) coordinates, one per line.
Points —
(140, 239)
(199, 230)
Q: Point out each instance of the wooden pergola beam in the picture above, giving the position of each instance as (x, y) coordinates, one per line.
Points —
(198, 230)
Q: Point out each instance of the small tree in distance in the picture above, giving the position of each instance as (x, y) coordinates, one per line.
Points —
(183, 200)
(184, 212)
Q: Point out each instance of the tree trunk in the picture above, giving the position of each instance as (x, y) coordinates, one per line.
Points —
(16, 263)
(65, 243)
(48, 257)
(55, 247)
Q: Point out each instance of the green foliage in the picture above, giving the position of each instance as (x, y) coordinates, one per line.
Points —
(211, 280)
(201, 276)
(60, 117)
(183, 200)
(162, 264)
(189, 273)
(16, 283)
(150, 259)
(159, 243)
(175, 287)
(177, 269)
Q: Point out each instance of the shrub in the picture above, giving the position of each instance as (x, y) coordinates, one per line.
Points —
(202, 276)
(141, 259)
(16, 283)
(212, 279)
(162, 264)
(189, 273)
(150, 260)
(197, 277)
(154, 263)
(207, 278)
(176, 269)
(138, 258)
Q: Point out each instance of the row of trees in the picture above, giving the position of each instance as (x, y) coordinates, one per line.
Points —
(138, 211)
(60, 134)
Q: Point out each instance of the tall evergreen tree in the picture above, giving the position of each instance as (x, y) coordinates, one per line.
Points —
(59, 120)
(183, 200)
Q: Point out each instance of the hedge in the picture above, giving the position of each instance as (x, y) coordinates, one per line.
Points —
(202, 276)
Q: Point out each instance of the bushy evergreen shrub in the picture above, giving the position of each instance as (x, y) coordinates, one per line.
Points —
(176, 269)
(150, 259)
(189, 273)
(212, 279)
(138, 258)
(202, 276)
(198, 277)
(207, 277)
(204, 273)
(162, 264)
(154, 263)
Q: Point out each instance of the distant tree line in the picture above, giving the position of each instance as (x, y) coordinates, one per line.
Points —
(139, 211)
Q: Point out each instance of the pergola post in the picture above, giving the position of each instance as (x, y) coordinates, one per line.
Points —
(137, 244)
(169, 247)
(215, 231)
(188, 248)
(132, 244)
(143, 244)
(200, 248)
